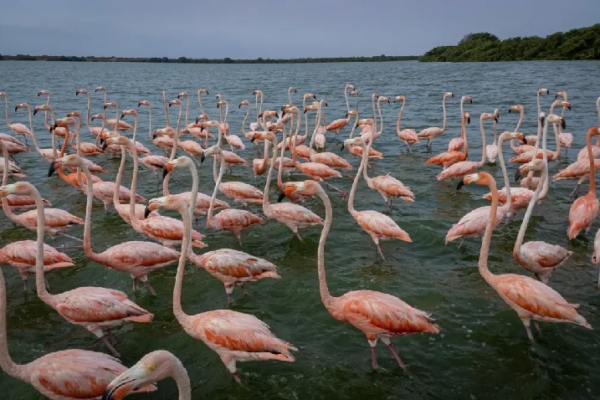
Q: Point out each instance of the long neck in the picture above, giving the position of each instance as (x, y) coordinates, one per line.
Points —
(487, 237)
(149, 122)
(557, 129)
(200, 102)
(135, 128)
(187, 111)
(505, 174)
(598, 109)
(87, 228)
(182, 379)
(521, 115)
(46, 124)
(353, 126)
(181, 316)
(482, 129)
(5, 206)
(89, 110)
(132, 214)
(444, 114)
(214, 195)
(116, 199)
(400, 116)
(365, 156)
(538, 103)
(317, 122)
(280, 167)
(463, 135)
(326, 297)
(244, 122)
(495, 132)
(268, 183)
(380, 116)
(165, 107)
(7, 364)
(346, 98)
(176, 138)
(588, 141)
(6, 108)
(35, 143)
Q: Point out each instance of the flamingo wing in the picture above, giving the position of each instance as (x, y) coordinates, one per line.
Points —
(234, 263)
(75, 374)
(582, 214)
(458, 170)
(381, 225)
(385, 313)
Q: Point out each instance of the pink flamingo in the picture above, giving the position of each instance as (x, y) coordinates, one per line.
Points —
(491, 150)
(456, 144)
(580, 170)
(16, 128)
(47, 154)
(565, 138)
(248, 134)
(115, 123)
(408, 136)
(56, 221)
(22, 254)
(451, 157)
(63, 375)
(234, 336)
(378, 315)
(531, 139)
(530, 298)
(538, 257)
(152, 161)
(433, 132)
(584, 210)
(47, 94)
(134, 257)
(95, 308)
(234, 141)
(463, 168)
(291, 215)
(339, 124)
(596, 254)
(326, 157)
(376, 224)
(153, 367)
(230, 219)
(95, 130)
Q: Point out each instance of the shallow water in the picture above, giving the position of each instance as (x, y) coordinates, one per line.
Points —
(482, 350)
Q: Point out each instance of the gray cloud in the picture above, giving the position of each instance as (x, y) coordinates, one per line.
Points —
(275, 29)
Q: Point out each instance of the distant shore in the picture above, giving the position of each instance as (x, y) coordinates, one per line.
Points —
(227, 60)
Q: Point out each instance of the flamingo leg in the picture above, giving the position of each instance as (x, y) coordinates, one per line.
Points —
(537, 326)
(111, 337)
(461, 242)
(575, 192)
(70, 237)
(110, 346)
(376, 241)
(527, 323)
(372, 344)
(25, 283)
(134, 284)
(149, 287)
(335, 188)
(244, 290)
(390, 346)
(45, 283)
(295, 230)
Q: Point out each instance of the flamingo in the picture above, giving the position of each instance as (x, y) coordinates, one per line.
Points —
(56, 221)
(200, 92)
(565, 138)
(491, 150)
(369, 132)
(580, 170)
(248, 134)
(63, 375)
(16, 128)
(457, 144)
(47, 94)
(47, 154)
(153, 367)
(531, 140)
(291, 215)
(152, 161)
(376, 224)
(530, 298)
(22, 254)
(232, 267)
(223, 119)
(230, 219)
(584, 210)
(378, 315)
(83, 148)
(339, 124)
(451, 157)
(408, 136)
(234, 336)
(463, 168)
(327, 158)
(538, 257)
(257, 93)
(115, 123)
(95, 130)
(432, 132)
(134, 257)
(140, 148)
(95, 308)
(596, 254)
(234, 141)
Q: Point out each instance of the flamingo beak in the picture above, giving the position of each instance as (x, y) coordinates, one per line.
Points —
(202, 158)
(468, 120)
(563, 124)
(343, 146)
(147, 212)
(461, 183)
(281, 196)
(52, 168)
(517, 174)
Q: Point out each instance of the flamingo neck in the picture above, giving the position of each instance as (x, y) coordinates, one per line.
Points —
(89, 109)
(266, 204)
(182, 379)
(280, 168)
(482, 129)
(132, 215)
(149, 122)
(400, 117)
(521, 115)
(244, 121)
(87, 227)
(356, 179)
(116, 199)
(6, 109)
(326, 297)
(487, 237)
(176, 137)
(463, 135)
(5, 206)
(200, 102)
(166, 108)
(46, 112)
(181, 316)
(592, 187)
(504, 173)
(346, 98)
(444, 114)
(214, 195)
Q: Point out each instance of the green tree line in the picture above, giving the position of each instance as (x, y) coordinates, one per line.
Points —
(576, 44)
(226, 60)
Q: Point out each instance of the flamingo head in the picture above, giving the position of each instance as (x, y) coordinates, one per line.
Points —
(309, 96)
(21, 105)
(485, 116)
(100, 89)
(179, 162)
(183, 94)
(69, 160)
(467, 99)
(18, 188)
(144, 103)
(77, 92)
(257, 92)
(543, 90)
(74, 114)
(153, 367)
(399, 98)
(118, 140)
(555, 119)
(562, 94)
(243, 103)
(266, 135)
(131, 111)
(593, 131)
(479, 178)
(306, 188)
(110, 104)
(517, 108)
(383, 98)
(43, 107)
(292, 90)
(291, 110)
(175, 102)
(506, 135)
(356, 141)
(203, 91)
(354, 93)
(221, 102)
(212, 150)
(353, 113)
(97, 116)
(2, 94)
(155, 204)
(467, 117)
(448, 94)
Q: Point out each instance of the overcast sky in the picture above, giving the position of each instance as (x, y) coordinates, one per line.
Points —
(275, 29)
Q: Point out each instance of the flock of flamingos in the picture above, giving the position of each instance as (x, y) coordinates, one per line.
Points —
(235, 336)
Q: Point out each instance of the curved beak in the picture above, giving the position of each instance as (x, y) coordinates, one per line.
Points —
(52, 168)
(16, 108)
(461, 183)
(147, 212)
(468, 120)
(253, 138)
(165, 172)
(281, 196)
(122, 116)
(104, 145)
(517, 175)
(202, 158)
(154, 135)
(343, 146)
(563, 124)
(35, 112)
